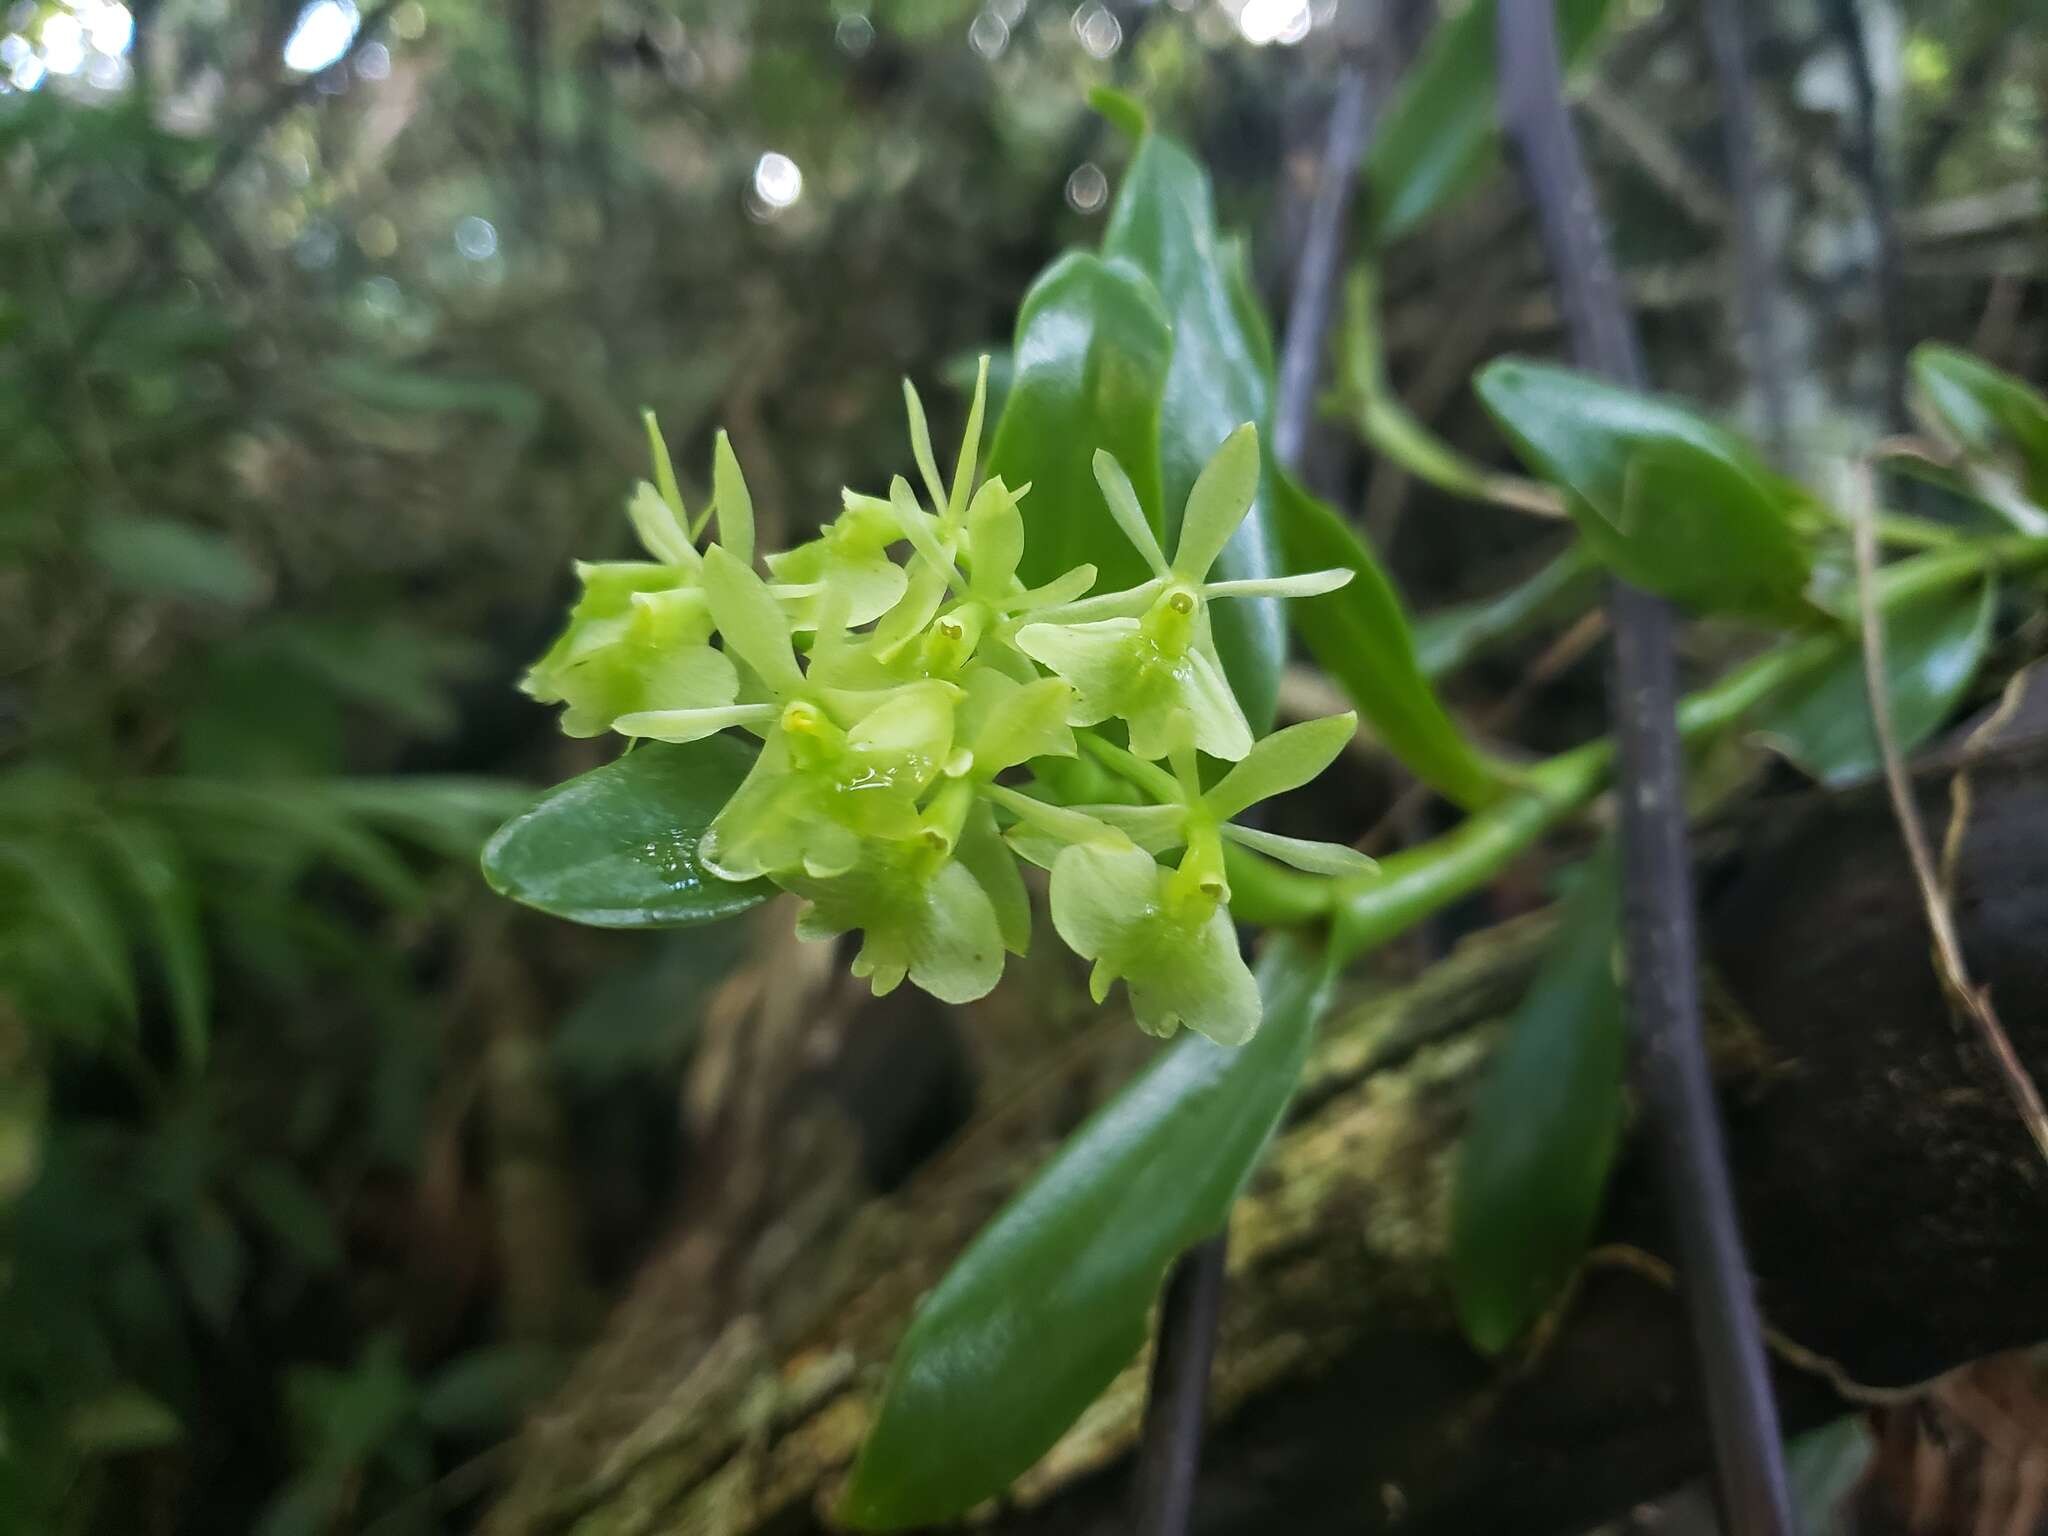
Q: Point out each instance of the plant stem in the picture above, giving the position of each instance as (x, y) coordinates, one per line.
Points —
(1661, 945)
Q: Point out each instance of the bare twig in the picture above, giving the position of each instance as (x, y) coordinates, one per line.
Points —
(1755, 277)
(1973, 1000)
(1661, 944)
(1867, 156)
(1170, 1450)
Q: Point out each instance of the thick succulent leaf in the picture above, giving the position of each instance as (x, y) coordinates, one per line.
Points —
(1093, 344)
(1986, 412)
(1164, 221)
(1533, 1166)
(1050, 1301)
(1665, 498)
(1441, 134)
(617, 847)
(1361, 636)
(1932, 649)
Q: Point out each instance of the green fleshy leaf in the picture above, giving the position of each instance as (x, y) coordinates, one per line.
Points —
(1986, 412)
(1532, 1169)
(1361, 636)
(1932, 650)
(1093, 346)
(1164, 222)
(618, 847)
(1668, 500)
(1050, 1301)
(1440, 136)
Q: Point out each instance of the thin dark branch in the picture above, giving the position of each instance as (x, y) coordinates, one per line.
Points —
(1662, 948)
(1755, 274)
(1315, 278)
(1867, 156)
(1170, 1450)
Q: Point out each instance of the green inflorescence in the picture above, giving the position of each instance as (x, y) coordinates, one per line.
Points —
(900, 702)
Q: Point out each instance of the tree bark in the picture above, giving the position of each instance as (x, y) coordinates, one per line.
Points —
(1896, 1213)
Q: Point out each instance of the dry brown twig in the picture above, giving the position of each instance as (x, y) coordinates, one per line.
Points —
(1973, 1000)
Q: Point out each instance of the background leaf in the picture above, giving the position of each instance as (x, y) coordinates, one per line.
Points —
(1932, 649)
(1534, 1162)
(1664, 498)
(1361, 636)
(617, 847)
(1164, 221)
(162, 557)
(1986, 411)
(1050, 1301)
(1441, 135)
(1089, 371)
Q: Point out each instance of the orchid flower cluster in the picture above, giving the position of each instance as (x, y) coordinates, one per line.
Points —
(899, 704)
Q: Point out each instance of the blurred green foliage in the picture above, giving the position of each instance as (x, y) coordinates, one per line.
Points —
(310, 384)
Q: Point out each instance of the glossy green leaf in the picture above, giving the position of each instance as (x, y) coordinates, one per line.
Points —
(1533, 1166)
(1050, 1301)
(1088, 374)
(1361, 636)
(1164, 221)
(617, 847)
(1664, 498)
(1932, 649)
(1986, 411)
(1441, 134)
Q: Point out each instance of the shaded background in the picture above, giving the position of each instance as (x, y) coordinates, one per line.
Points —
(323, 335)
